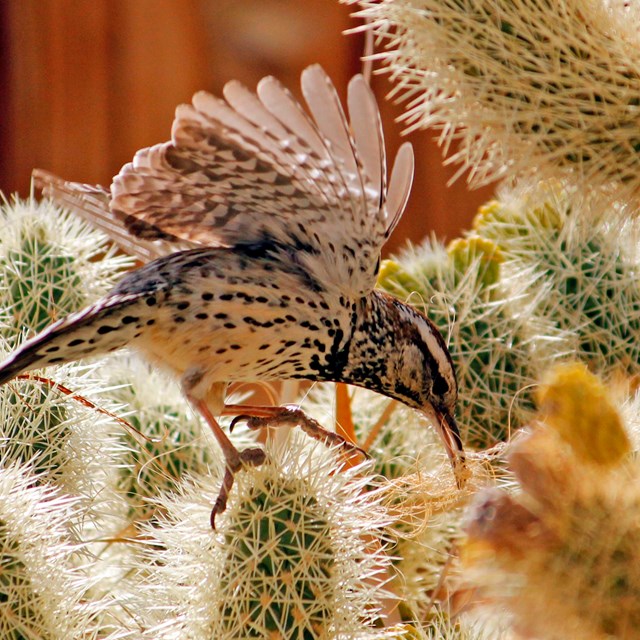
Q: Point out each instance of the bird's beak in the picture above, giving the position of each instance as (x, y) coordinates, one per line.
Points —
(448, 429)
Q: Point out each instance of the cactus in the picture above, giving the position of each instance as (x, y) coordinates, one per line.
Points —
(41, 595)
(507, 79)
(34, 428)
(167, 441)
(49, 265)
(298, 554)
(64, 442)
(577, 262)
(491, 345)
(562, 554)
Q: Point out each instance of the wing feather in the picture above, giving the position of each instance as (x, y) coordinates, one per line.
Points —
(288, 147)
(91, 203)
(369, 142)
(330, 119)
(399, 186)
(257, 168)
(311, 149)
(281, 103)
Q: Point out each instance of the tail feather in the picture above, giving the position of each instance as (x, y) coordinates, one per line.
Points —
(19, 362)
(95, 330)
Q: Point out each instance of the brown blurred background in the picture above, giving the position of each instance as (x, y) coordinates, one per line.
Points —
(85, 83)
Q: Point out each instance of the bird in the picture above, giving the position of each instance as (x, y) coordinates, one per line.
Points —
(260, 226)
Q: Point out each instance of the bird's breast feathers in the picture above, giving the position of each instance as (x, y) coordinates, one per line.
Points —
(239, 316)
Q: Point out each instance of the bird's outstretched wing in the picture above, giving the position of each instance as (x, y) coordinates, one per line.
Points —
(91, 203)
(257, 168)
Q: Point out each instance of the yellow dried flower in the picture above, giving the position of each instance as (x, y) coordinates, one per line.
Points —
(391, 273)
(498, 218)
(576, 404)
(561, 555)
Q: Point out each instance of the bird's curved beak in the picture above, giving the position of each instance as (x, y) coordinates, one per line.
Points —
(448, 430)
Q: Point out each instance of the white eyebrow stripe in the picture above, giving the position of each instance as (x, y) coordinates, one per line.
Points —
(433, 343)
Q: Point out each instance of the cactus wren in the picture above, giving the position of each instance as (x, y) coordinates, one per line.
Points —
(262, 227)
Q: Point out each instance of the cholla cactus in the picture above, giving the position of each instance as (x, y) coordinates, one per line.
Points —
(489, 335)
(48, 265)
(168, 442)
(562, 555)
(576, 259)
(64, 442)
(544, 87)
(41, 595)
(298, 554)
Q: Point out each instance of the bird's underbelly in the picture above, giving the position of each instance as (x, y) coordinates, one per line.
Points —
(235, 346)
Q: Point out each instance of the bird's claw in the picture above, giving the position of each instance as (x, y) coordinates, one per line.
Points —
(281, 416)
(253, 457)
(316, 431)
(293, 417)
(237, 419)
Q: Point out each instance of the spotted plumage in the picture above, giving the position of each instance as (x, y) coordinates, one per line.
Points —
(262, 228)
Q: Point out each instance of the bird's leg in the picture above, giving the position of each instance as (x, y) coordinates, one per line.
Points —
(260, 417)
(234, 459)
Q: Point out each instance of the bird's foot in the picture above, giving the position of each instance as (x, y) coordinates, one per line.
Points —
(294, 417)
(252, 457)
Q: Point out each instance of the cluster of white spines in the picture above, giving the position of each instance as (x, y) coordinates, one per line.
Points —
(298, 554)
(575, 258)
(43, 593)
(164, 442)
(525, 87)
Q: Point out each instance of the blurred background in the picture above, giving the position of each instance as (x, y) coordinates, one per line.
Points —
(85, 83)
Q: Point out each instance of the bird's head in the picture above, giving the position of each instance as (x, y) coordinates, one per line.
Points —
(412, 364)
(419, 372)
(422, 376)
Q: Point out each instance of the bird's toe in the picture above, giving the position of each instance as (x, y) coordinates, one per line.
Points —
(253, 456)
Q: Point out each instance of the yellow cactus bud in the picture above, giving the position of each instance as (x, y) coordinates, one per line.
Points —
(497, 221)
(466, 251)
(391, 272)
(388, 268)
(492, 211)
(574, 402)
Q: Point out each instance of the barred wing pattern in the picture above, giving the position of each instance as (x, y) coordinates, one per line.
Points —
(256, 168)
(92, 204)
